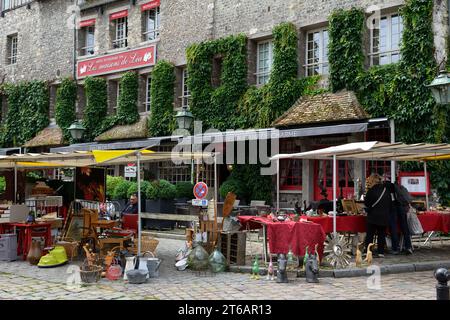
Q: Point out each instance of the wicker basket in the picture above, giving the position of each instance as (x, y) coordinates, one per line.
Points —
(147, 244)
(90, 274)
(70, 245)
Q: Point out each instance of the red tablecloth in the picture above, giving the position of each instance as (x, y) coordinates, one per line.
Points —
(283, 236)
(435, 221)
(343, 224)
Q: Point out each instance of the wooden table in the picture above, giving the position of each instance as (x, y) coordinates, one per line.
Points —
(119, 241)
(26, 233)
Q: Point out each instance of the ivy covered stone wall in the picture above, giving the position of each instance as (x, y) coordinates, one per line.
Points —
(398, 90)
(28, 112)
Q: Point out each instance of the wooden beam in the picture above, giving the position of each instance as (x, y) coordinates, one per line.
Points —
(167, 216)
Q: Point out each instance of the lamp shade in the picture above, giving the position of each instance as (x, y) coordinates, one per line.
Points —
(76, 130)
(440, 88)
(184, 119)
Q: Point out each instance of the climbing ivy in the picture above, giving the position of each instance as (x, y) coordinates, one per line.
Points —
(28, 107)
(217, 107)
(397, 91)
(161, 121)
(66, 97)
(259, 107)
(345, 48)
(96, 107)
(127, 109)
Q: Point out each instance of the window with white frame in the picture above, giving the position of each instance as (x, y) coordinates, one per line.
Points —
(171, 172)
(121, 30)
(264, 61)
(148, 96)
(11, 4)
(89, 40)
(185, 94)
(385, 39)
(152, 20)
(12, 49)
(111, 171)
(317, 52)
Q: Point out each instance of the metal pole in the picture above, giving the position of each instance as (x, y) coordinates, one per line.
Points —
(426, 183)
(442, 290)
(334, 196)
(138, 157)
(392, 125)
(216, 197)
(278, 185)
(15, 183)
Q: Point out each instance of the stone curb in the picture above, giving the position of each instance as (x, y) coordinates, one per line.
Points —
(359, 272)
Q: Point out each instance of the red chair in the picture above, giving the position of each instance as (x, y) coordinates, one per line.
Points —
(130, 222)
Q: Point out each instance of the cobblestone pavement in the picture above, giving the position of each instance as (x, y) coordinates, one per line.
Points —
(19, 280)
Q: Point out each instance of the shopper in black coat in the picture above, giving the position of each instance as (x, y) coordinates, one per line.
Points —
(378, 202)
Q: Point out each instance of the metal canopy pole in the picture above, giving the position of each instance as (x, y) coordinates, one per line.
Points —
(216, 183)
(15, 183)
(334, 195)
(138, 158)
(278, 185)
(392, 125)
(426, 183)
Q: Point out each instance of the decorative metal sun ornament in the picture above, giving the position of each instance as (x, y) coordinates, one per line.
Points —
(337, 251)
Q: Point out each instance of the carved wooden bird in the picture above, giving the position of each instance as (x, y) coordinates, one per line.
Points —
(358, 258)
(369, 256)
(270, 271)
(305, 258)
(317, 254)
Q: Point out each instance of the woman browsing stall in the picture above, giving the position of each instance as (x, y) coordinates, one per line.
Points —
(378, 203)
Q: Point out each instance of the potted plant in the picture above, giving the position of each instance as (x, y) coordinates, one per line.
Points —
(111, 184)
(120, 193)
(133, 189)
(160, 199)
(184, 192)
(231, 185)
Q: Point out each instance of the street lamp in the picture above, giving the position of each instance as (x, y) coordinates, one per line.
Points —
(184, 118)
(440, 88)
(76, 130)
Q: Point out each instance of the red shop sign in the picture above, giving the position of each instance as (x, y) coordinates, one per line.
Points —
(118, 15)
(127, 60)
(150, 5)
(87, 23)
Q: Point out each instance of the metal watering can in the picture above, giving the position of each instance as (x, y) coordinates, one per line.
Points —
(153, 264)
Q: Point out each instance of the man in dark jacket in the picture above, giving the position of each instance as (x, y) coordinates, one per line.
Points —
(378, 202)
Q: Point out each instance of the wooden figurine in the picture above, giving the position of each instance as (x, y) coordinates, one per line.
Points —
(270, 271)
(358, 256)
(317, 253)
(305, 258)
(369, 256)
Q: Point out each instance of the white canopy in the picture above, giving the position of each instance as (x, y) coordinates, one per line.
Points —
(375, 150)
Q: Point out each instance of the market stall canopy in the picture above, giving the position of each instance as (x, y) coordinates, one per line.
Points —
(95, 158)
(375, 150)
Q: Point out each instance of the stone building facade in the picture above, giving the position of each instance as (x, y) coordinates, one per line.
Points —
(48, 45)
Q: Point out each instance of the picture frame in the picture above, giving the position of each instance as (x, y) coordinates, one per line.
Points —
(349, 205)
(415, 182)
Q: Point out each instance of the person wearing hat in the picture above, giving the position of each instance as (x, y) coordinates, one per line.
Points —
(378, 202)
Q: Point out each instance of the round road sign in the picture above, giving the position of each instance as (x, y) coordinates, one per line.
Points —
(200, 190)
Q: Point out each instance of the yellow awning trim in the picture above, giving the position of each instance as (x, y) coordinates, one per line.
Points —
(105, 155)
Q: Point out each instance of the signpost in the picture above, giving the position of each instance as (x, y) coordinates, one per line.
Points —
(200, 192)
(130, 170)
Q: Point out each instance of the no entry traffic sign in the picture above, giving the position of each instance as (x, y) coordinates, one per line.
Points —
(200, 190)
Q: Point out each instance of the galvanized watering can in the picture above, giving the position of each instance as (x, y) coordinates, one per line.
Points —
(153, 264)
